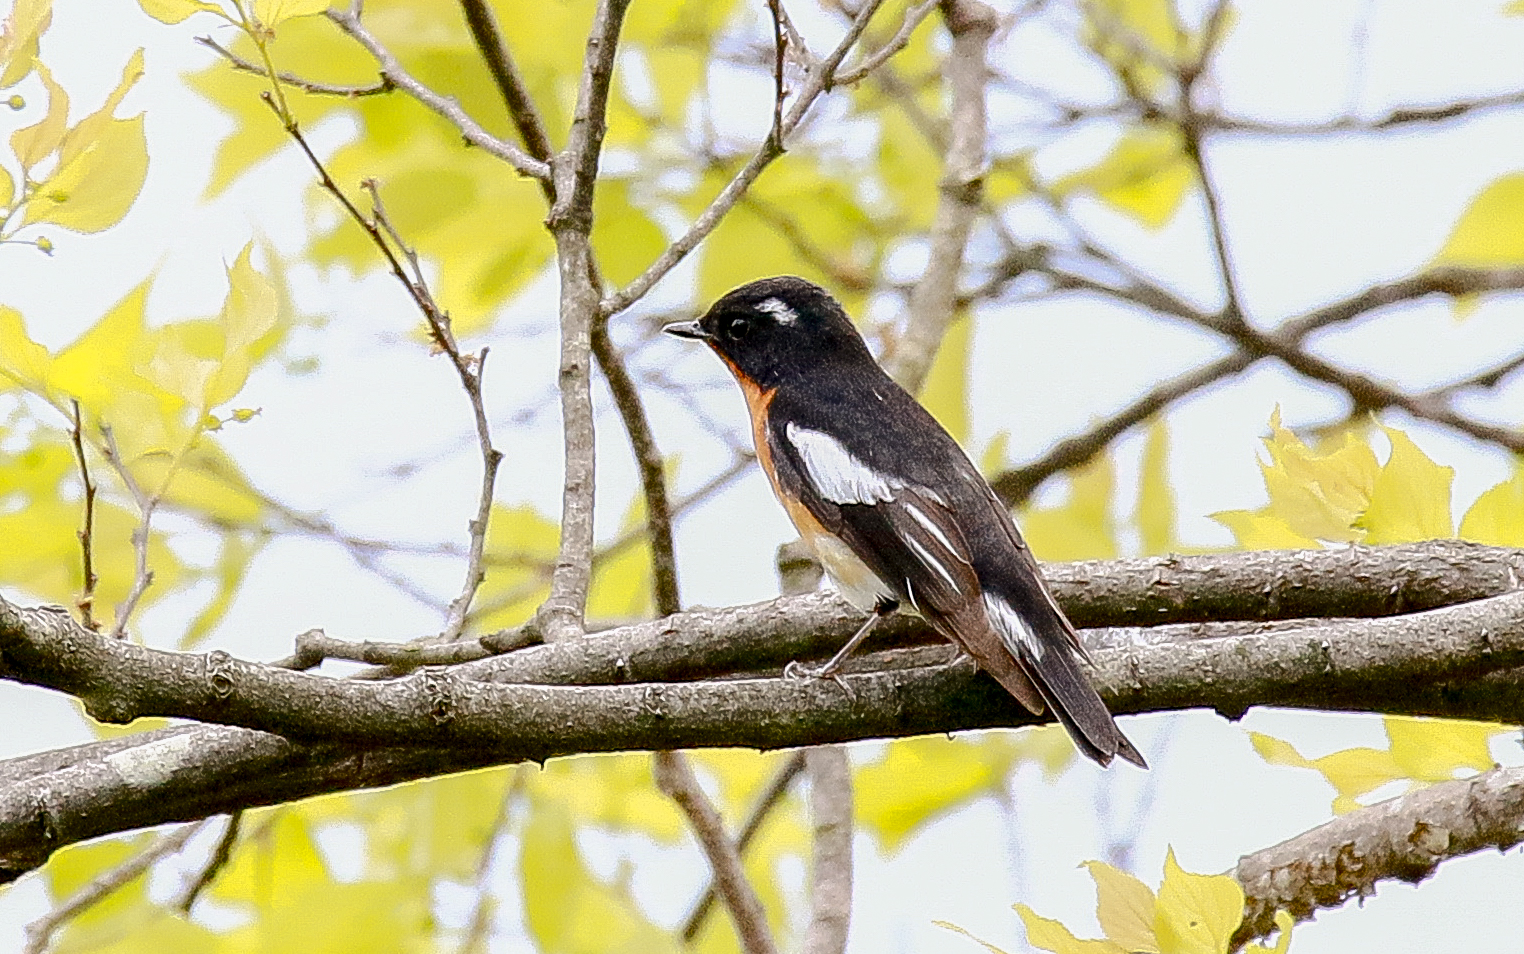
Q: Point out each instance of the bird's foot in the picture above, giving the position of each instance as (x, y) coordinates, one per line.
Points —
(799, 672)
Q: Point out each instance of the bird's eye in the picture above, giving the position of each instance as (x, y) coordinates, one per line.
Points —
(738, 328)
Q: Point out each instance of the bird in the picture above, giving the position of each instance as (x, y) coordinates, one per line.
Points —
(892, 507)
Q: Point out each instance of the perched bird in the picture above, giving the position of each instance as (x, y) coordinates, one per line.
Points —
(891, 506)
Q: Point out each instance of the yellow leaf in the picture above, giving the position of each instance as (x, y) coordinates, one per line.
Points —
(1125, 907)
(95, 189)
(24, 363)
(1196, 914)
(89, 130)
(234, 558)
(1436, 750)
(948, 774)
(1051, 935)
(624, 236)
(19, 35)
(272, 13)
(78, 865)
(945, 391)
(1262, 530)
(1156, 498)
(36, 142)
(7, 191)
(567, 908)
(1319, 493)
(1488, 233)
(1081, 528)
(1497, 517)
(1146, 175)
(1410, 500)
(249, 313)
(993, 460)
(1352, 772)
(174, 11)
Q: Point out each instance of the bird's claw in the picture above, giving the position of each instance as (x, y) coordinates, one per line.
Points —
(799, 672)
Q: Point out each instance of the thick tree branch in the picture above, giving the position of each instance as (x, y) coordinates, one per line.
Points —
(1404, 839)
(1429, 663)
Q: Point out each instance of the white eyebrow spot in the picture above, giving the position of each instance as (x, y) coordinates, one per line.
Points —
(837, 475)
(1012, 629)
(782, 312)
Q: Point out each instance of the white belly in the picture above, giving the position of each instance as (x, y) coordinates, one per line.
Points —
(851, 576)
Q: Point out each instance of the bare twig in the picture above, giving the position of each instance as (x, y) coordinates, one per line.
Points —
(769, 799)
(820, 80)
(831, 874)
(290, 79)
(142, 576)
(217, 861)
(913, 19)
(675, 778)
(780, 51)
(468, 368)
(510, 84)
(40, 932)
(960, 193)
(86, 602)
(444, 106)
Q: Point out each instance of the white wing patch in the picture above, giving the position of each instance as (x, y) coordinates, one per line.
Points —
(1013, 630)
(839, 477)
(932, 562)
(779, 310)
(931, 528)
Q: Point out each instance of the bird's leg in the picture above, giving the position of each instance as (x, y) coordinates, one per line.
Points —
(797, 670)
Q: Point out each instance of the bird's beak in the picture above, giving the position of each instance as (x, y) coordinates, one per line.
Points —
(686, 329)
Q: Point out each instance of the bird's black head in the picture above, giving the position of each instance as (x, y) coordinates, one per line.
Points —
(775, 327)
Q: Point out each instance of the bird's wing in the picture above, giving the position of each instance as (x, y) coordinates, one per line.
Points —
(908, 537)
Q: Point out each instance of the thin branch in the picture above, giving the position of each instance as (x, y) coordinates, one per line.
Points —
(215, 863)
(960, 193)
(468, 368)
(769, 799)
(510, 83)
(901, 39)
(40, 932)
(444, 106)
(86, 601)
(1015, 486)
(142, 576)
(780, 52)
(820, 80)
(290, 79)
(1403, 839)
(675, 779)
(831, 873)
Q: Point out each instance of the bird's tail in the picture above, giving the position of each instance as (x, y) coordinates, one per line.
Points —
(1047, 652)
